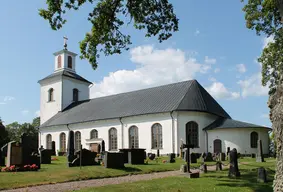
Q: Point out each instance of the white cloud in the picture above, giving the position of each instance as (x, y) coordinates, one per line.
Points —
(197, 32)
(37, 113)
(208, 60)
(212, 79)
(216, 70)
(252, 86)
(154, 67)
(25, 112)
(2, 103)
(267, 40)
(241, 68)
(219, 91)
(8, 98)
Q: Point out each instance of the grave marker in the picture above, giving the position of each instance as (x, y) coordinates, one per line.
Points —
(259, 155)
(234, 169)
(14, 154)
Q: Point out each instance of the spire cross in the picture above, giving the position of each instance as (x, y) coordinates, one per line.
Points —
(65, 42)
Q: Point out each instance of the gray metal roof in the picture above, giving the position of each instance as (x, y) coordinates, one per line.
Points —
(66, 74)
(182, 96)
(222, 123)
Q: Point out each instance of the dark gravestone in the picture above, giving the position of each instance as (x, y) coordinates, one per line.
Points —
(133, 156)
(102, 146)
(222, 156)
(193, 158)
(158, 153)
(172, 157)
(253, 155)
(2, 159)
(203, 168)
(261, 175)
(234, 169)
(259, 155)
(88, 158)
(151, 156)
(208, 157)
(144, 155)
(114, 160)
(218, 166)
(228, 151)
(30, 150)
(71, 148)
(4, 150)
(14, 154)
(53, 148)
(45, 156)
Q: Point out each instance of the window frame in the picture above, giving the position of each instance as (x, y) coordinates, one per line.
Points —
(253, 139)
(63, 143)
(50, 95)
(156, 136)
(48, 141)
(75, 95)
(78, 145)
(70, 62)
(134, 139)
(193, 131)
(113, 139)
(95, 132)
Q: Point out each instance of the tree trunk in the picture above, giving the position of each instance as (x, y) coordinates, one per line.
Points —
(276, 116)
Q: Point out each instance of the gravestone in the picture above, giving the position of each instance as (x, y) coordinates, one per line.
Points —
(193, 158)
(227, 155)
(102, 146)
(71, 148)
(53, 148)
(88, 158)
(203, 168)
(172, 157)
(253, 155)
(261, 175)
(151, 156)
(2, 158)
(133, 156)
(114, 160)
(233, 169)
(4, 150)
(30, 150)
(259, 155)
(14, 154)
(222, 156)
(218, 166)
(208, 157)
(158, 153)
(183, 168)
(202, 157)
(45, 156)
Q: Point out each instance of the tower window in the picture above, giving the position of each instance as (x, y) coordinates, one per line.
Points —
(59, 62)
(51, 94)
(70, 62)
(75, 95)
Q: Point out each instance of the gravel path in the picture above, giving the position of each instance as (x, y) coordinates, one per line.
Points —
(76, 185)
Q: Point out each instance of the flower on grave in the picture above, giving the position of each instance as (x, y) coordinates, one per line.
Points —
(27, 167)
(12, 168)
(97, 155)
(54, 159)
(33, 167)
(164, 161)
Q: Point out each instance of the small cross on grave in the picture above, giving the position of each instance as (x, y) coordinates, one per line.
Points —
(189, 146)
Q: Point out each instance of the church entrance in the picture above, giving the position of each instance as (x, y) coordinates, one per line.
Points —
(95, 147)
(217, 146)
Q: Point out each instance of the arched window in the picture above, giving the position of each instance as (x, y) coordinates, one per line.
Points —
(133, 137)
(51, 94)
(156, 136)
(77, 141)
(113, 139)
(70, 62)
(94, 134)
(192, 133)
(254, 138)
(63, 142)
(59, 62)
(48, 141)
(75, 95)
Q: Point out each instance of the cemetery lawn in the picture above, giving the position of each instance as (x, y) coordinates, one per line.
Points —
(58, 172)
(210, 182)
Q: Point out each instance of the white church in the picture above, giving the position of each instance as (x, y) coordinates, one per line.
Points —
(154, 118)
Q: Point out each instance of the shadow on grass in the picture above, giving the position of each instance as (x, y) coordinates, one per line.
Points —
(248, 178)
(129, 169)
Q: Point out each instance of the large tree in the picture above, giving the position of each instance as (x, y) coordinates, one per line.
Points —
(265, 17)
(15, 130)
(108, 17)
(3, 134)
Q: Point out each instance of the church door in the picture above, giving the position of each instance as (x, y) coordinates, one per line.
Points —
(217, 146)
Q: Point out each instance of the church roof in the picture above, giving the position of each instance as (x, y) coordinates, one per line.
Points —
(222, 123)
(182, 96)
(66, 74)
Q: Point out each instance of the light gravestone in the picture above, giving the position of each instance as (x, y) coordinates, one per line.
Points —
(233, 169)
(261, 175)
(14, 154)
(259, 155)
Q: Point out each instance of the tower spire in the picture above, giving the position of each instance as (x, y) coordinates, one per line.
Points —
(65, 42)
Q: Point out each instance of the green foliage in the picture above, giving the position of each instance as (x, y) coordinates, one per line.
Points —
(15, 130)
(263, 16)
(108, 17)
(36, 122)
(3, 134)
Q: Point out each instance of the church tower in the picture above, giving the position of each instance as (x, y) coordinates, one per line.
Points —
(63, 87)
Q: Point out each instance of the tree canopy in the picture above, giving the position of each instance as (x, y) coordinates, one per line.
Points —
(264, 17)
(156, 17)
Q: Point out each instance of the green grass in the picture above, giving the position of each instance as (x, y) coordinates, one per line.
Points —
(210, 182)
(58, 172)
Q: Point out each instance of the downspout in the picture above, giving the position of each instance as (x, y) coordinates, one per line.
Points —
(206, 133)
(122, 132)
(68, 127)
(39, 136)
(173, 133)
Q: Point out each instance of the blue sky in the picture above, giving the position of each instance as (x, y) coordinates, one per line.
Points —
(213, 46)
